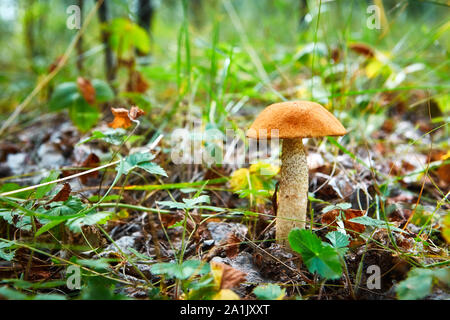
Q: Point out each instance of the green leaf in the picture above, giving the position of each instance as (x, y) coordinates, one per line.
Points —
(14, 186)
(49, 296)
(190, 203)
(42, 191)
(318, 256)
(22, 284)
(17, 219)
(368, 221)
(112, 136)
(182, 272)
(64, 96)
(103, 91)
(152, 168)
(211, 208)
(419, 282)
(48, 226)
(269, 292)
(100, 288)
(139, 255)
(75, 224)
(339, 241)
(71, 206)
(8, 256)
(83, 115)
(12, 294)
(341, 206)
(178, 224)
(142, 161)
(100, 265)
(172, 204)
(126, 35)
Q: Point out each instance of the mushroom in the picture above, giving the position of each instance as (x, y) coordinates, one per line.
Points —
(291, 121)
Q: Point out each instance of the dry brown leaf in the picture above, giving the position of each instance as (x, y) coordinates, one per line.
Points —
(137, 83)
(443, 173)
(121, 118)
(336, 55)
(329, 218)
(63, 194)
(362, 49)
(55, 64)
(231, 277)
(136, 112)
(232, 245)
(87, 89)
(91, 161)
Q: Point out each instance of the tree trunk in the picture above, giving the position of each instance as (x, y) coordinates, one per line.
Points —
(80, 41)
(145, 14)
(103, 16)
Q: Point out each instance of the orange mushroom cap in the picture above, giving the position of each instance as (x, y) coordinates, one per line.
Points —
(296, 119)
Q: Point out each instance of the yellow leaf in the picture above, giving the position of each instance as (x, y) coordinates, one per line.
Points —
(122, 214)
(226, 277)
(225, 294)
(239, 179)
(263, 169)
(446, 228)
(373, 68)
(217, 271)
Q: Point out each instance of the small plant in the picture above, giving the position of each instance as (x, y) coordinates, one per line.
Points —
(82, 99)
(255, 183)
(269, 292)
(319, 256)
(420, 281)
(200, 280)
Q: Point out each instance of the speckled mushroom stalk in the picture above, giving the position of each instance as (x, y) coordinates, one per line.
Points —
(292, 190)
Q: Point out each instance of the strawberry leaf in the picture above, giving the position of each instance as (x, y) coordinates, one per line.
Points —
(318, 256)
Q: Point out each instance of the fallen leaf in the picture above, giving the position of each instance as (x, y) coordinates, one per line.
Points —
(226, 277)
(7, 148)
(87, 89)
(91, 161)
(225, 294)
(400, 215)
(121, 118)
(232, 245)
(330, 219)
(137, 83)
(63, 194)
(362, 49)
(336, 55)
(136, 112)
(443, 173)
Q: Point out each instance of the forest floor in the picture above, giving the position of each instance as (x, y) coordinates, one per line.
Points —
(231, 231)
(93, 204)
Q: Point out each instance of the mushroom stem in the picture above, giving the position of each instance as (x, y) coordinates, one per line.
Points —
(293, 189)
